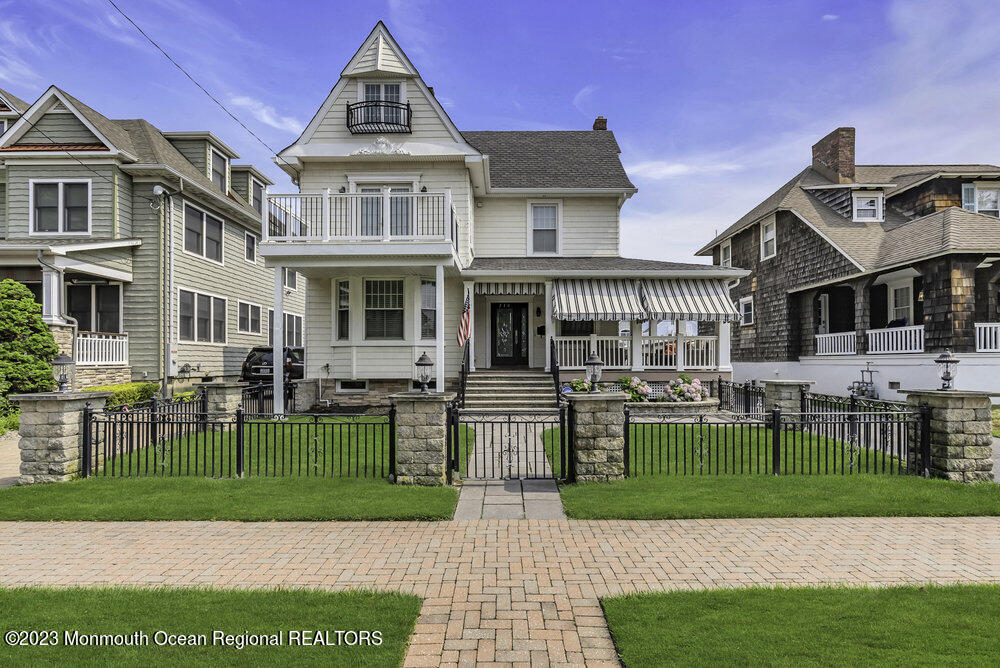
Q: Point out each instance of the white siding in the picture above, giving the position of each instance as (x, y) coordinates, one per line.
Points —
(589, 226)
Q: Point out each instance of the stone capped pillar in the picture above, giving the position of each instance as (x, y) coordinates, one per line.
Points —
(222, 397)
(785, 394)
(598, 435)
(421, 421)
(961, 442)
(52, 433)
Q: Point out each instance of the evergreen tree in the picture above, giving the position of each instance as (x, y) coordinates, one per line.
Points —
(26, 344)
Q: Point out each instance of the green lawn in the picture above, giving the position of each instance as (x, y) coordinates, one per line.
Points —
(247, 499)
(202, 612)
(903, 626)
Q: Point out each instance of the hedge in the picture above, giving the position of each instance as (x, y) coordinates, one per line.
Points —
(127, 393)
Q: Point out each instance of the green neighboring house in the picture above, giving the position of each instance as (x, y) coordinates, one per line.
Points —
(140, 245)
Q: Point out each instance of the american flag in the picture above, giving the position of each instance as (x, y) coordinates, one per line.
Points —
(464, 324)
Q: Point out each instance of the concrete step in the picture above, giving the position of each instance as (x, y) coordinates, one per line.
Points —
(511, 387)
(509, 401)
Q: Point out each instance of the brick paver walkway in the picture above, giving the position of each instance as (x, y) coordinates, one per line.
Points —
(507, 591)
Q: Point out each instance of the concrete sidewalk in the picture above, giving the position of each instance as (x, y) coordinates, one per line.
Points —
(504, 590)
(509, 500)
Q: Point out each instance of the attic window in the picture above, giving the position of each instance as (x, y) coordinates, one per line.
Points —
(726, 254)
(219, 170)
(868, 207)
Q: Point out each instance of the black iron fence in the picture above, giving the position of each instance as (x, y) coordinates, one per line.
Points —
(744, 398)
(813, 402)
(259, 399)
(841, 443)
(240, 444)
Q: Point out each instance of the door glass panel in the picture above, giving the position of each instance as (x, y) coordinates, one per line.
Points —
(371, 214)
(400, 212)
(523, 333)
(504, 332)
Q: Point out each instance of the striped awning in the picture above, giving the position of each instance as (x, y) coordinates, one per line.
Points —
(596, 299)
(688, 299)
(510, 288)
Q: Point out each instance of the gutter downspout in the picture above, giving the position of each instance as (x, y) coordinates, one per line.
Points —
(167, 279)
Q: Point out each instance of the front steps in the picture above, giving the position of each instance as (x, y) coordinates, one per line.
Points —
(503, 391)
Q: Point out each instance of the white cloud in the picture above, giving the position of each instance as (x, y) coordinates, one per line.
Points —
(830, 17)
(268, 115)
(658, 170)
(583, 96)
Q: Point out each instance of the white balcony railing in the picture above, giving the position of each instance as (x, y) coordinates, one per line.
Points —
(101, 349)
(896, 340)
(376, 216)
(838, 343)
(988, 337)
(658, 352)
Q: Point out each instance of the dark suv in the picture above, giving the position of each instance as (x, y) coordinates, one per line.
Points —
(260, 361)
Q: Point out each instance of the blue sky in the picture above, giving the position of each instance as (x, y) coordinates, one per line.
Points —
(714, 104)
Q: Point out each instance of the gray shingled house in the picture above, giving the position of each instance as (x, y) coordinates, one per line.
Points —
(851, 264)
(135, 284)
(402, 220)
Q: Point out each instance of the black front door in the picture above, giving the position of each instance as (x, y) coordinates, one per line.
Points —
(509, 322)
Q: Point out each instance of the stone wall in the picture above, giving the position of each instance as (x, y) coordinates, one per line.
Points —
(643, 408)
(98, 376)
(961, 442)
(63, 334)
(785, 395)
(598, 436)
(420, 437)
(379, 393)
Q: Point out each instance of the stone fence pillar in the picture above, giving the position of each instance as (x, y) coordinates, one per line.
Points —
(961, 441)
(421, 421)
(598, 435)
(222, 397)
(52, 433)
(785, 394)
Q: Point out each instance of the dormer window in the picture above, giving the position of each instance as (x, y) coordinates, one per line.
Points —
(981, 199)
(868, 207)
(219, 170)
(726, 254)
(257, 195)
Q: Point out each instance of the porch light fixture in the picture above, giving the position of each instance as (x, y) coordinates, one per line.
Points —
(594, 365)
(342, 190)
(947, 369)
(63, 366)
(424, 365)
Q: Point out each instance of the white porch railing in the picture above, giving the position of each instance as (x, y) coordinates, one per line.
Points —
(614, 351)
(838, 343)
(377, 216)
(658, 352)
(896, 340)
(700, 352)
(988, 337)
(101, 349)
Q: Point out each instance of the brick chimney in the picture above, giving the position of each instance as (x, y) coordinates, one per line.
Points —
(600, 123)
(833, 155)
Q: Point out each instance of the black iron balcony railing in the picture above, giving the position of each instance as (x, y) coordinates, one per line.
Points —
(378, 116)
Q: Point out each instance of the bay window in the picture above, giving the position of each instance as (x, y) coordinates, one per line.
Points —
(428, 309)
(60, 207)
(343, 310)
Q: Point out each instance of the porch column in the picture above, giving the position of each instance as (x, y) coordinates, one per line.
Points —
(278, 349)
(52, 296)
(469, 287)
(439, 326)
(637, 361)
(862, 314)
(549, 325)
(681, 334)
(724, 346)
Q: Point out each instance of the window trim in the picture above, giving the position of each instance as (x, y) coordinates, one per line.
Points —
(263, 194)
(421, 308)
(284, 279)
(256, 245)
(530, 229)
(61, 209)
(340, 390)
(879, 206)
(337, 310)
(93, 307)
(270, 327)
(212, 152)
(381, 82)
(727, 244)
(260, 318)
(890, 299)
(211, 318)
(763, 232)
(183, 226)
(976, 186)
(753, 311)
(364, 309)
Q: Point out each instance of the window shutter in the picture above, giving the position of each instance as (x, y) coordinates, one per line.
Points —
(968, 197)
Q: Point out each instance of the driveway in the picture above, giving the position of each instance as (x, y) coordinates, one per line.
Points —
(505, 590)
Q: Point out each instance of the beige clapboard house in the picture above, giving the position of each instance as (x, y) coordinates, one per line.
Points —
(140, 245)
(402, 218)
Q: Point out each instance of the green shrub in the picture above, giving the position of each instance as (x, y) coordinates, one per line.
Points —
(26, 344)
(9, 421)
(127, 393)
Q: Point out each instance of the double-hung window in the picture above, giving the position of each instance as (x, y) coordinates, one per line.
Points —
(343, 310)
(901, 302)
(293, 330)
(202, 233)
(768, 240)
(383, 309)
(290, 279)
(249, 247)
(544, 219)
(867, 207)
(202, 318)
(745, 307)
(219, 170)
(60, 207)
(249, 318)
(428, 309)
(726, 254)
(257, 195)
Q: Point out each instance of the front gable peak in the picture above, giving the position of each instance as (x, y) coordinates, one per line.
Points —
(379, 54)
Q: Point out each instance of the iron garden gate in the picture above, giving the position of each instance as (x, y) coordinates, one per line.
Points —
(509, 445)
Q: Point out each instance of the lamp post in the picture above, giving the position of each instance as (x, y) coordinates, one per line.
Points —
(593, 365)
(424, 365)
(63, 366)
(947, 369)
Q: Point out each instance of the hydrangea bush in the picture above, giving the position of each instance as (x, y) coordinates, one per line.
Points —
(637, 389)
(685, 388)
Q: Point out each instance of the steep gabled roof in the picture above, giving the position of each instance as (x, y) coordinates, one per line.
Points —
(551, 159)
(12, 102)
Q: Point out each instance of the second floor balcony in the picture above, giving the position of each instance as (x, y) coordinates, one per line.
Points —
(378, 117)
(383, 216)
